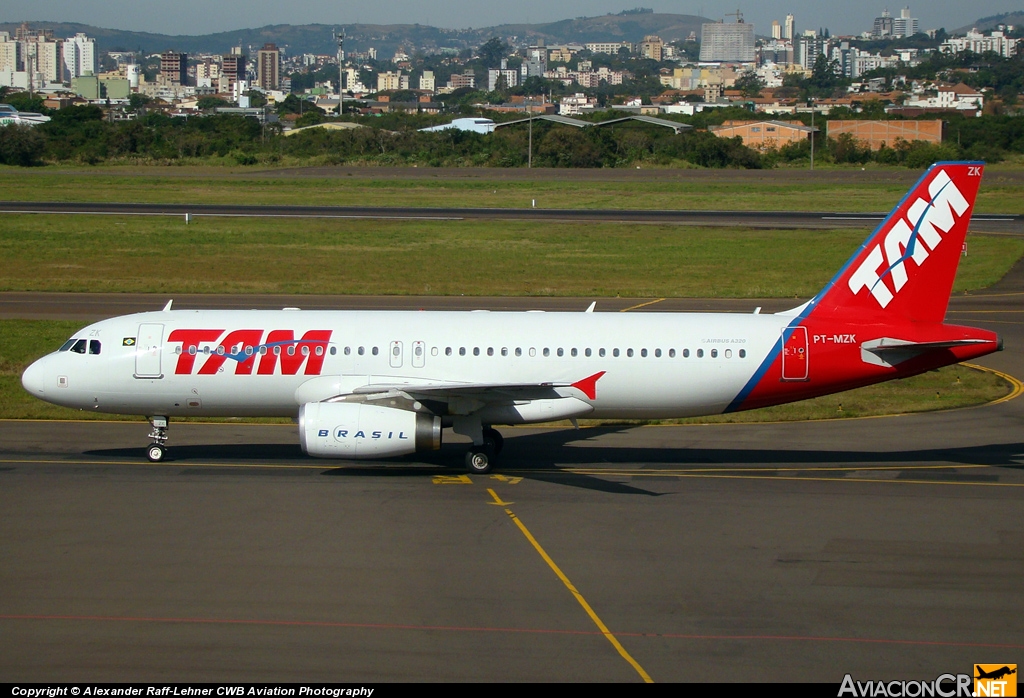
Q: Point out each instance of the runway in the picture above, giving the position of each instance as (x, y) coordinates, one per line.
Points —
(987, 223)
(884, 548)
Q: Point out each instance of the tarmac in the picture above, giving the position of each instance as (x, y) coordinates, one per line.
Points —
(886, 548)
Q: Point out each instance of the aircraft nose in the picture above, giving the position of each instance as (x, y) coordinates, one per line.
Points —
(34, 379)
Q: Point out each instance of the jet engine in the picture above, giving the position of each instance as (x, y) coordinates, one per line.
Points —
(359, 430)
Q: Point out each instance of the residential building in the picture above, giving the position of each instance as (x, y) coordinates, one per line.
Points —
(651, 47)
(232, 70)
(427, 81)
(808, 47)
(764, 135)
(268, 67)
(535, 62)
(79, 56)
(612, 47)
(392, 81)
(722, 42)
(776, 30)
(208, 73)
(977, 42)
(510, 78)
(466, 79)
(876, 133)
(576, 104)
(790, 29)
(560, 54)
(10, 53)
(174, 68)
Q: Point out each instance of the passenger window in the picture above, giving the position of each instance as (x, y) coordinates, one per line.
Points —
(629, 352)
(587, 351)
(476, 351)
(615, 352)
(417, 350)
(547, 352)
(643, 353)
(94, 346)
(447, 351)
(347, 351)
(700, 353)
(490, 351)
(291, 350)
(305, 350)
(334, 351)
(504, 351)
(192, 351)
(573, 351)
(462, 351)
(561, 351)
(686, 353)
(533, 351)
(728, 353)
(714, 353)
(519, 351)
(657, 353)
(177, 350)
(671, 353)
(361, 351)
(743, 353)
(600, 352)
(375, 351)
(249, 350)
(396, 351)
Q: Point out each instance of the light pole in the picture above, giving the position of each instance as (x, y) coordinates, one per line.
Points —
(340, 37)
(810, 101)
(529, 156)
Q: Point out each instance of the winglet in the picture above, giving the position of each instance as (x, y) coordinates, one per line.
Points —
(588, 385)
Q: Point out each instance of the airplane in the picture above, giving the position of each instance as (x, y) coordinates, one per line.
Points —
(995, 674)
(378, 384)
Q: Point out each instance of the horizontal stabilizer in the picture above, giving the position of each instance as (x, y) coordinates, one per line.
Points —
(888, 351)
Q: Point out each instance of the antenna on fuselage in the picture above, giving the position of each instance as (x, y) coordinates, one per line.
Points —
(168, 306)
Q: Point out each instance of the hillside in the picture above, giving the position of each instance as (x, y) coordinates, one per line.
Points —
(386, 38)
(989, 23)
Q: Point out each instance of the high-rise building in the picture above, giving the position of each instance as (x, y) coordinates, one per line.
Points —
(79, 56)
(268, 67)
(652, 47)
(174, 68)
(904, 25)
(809, 47)
(10, 53)
(883, 25)
(790, 30)
(720, 42)
(232, 69)
(776, 30)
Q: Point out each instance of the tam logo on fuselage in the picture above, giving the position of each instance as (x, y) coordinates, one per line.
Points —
(249, 349)
(912, 240)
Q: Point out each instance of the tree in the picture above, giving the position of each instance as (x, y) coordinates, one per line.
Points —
(210, 102)
(493, 50)
(751, 84)
(137, 101)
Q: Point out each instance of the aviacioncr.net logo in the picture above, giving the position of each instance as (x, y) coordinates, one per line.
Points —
(944, 686)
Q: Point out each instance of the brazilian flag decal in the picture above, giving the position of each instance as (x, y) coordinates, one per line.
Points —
(128, 342)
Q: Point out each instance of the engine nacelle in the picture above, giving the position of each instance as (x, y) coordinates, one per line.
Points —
(358, 430)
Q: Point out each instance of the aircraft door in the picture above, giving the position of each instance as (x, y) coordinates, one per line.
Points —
(419, 351)
(395, 354)
(795, 361)
(148, 349)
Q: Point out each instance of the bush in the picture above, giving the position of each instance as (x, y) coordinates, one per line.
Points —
(20, 145)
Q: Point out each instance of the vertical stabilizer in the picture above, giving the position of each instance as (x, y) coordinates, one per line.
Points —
(905, 269)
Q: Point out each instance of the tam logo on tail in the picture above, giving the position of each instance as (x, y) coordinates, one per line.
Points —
(911, 240)
(906, 267)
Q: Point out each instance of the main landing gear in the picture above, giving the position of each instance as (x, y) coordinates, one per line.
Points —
(157, 450)
(480, 458)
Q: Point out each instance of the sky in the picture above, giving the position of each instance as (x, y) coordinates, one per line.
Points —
(205, 16)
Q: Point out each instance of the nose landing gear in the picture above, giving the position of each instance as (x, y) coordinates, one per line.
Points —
(157, 450)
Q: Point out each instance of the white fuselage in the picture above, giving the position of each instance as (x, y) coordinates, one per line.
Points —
(656, 365)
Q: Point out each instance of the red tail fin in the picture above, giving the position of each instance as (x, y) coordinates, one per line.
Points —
(906, 267)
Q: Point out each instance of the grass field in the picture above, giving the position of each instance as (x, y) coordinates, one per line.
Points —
(22, 341)
(472, 257)
(774, 190)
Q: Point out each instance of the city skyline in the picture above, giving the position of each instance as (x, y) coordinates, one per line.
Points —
(191, 17)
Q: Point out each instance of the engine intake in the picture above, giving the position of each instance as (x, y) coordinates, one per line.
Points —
(359, 430)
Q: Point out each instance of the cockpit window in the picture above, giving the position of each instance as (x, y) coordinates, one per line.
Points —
(79, 346)
(94, 346)
(68, 344)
